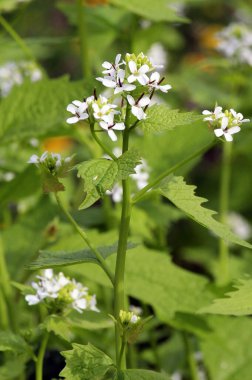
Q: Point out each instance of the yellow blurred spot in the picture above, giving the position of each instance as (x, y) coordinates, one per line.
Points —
(207, 36)
(57, 144)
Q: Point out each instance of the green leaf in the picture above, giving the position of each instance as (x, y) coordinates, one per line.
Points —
(141, 374)
(156, 11)
(101, 174)
(238, 302)
(85, 363)
(160, 118)
(183, 197)
(9, 5)
(13, 342)
(227, 351)
(42, 106)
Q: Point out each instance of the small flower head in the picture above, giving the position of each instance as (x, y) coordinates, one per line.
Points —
(60, 293)
(225, 123)
(78, 109)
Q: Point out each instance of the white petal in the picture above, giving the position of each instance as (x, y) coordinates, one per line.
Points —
(34, 159)
(206, 112)
(144, 69)
(143, 79)
(224, 122)
(109, 83)
(121, 75)
(112, 135)
(228, 137)
(109, 119)
(144, 101)
(118, 90)
(234, 130)
(106, 65)
(132, 78)
(245, 120)
(131, 100)
(129, 87)
(155, 77)
(217, 110)
(218, 132)
(82, 107)
(32, 299)
(233, 112)
(119, 126)
(138, 112)
(103, 125)
(132, 66)
(71, 108)
(117, 59)
(77, 103)
(165, 87)
(83, 116)
(72, 120)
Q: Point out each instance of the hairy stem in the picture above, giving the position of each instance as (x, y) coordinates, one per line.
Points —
(156, 181)
(98, 255)
(223, 275)
(40, 358)
(82, 26)
(119, 296)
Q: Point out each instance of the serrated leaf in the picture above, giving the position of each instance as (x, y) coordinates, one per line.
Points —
(50, 183)
(42, 106)
(156, 11)
(85, 363)
(160, 118)
(127, 163)
(183, 196)
(100, 175)
(141, 374)
(13, 342)
(237, 302)
(49, 259)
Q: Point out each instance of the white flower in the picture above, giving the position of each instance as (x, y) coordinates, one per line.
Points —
(110, 127)
(134, 319)
(112, 68)
(117, 82)
(78, 109)
(138, 74)
(32, 299)
(136, 310)
(141, 175)
(155, 81)
(225, 123)
(212, 116)
(138, 105)
(157, 53)
(239, 225)
(102, 110)
(116, 193)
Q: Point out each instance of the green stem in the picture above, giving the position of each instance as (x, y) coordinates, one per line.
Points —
(40, 358)
(17, 38)
(190, 358)
(119, 296)
(223, 275)
(86, 239)
(82, 25)
(122, 353)
(153, 183)
(103, 146)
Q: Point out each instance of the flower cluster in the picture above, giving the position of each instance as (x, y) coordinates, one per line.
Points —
(12, 74)
(224, 123)
(59, 293)
(53, 162)
(235, 41)
(134, 74)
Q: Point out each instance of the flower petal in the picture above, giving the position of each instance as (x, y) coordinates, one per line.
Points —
(112, 135)
(132, 66)
(234, 130)
(72, 120)
(218, 132)
(131, 100)
(71, 108)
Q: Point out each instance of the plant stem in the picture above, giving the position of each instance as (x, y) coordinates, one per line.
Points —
(153, 183)
(17, 38)
(223, 275)
(190, 358)
(103, 146)
(86, 239)
(40, 358)
(122, 352)
(119, 296)
(82, 25)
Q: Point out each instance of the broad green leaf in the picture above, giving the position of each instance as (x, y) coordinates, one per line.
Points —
(141, 374)
(227, 351)
(152, 278)
(43, 105)
(101, 174)
(50, 259)
(8, 371)
(156, 11)
(161, 118)
(85, 363)
(13, 342)
(10, 5)
(237, 302)
(183, 197)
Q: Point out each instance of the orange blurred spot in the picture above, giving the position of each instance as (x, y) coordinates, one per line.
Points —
(193, 59)
(207, 36)
(57, 144)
